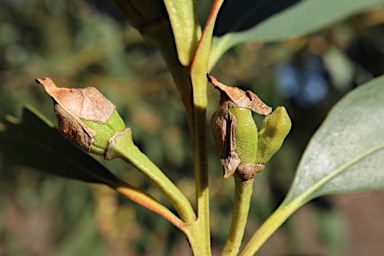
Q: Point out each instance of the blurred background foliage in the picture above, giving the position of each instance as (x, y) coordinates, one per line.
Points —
(88, 43)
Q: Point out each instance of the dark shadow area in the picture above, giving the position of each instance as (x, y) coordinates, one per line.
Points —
(236, 16)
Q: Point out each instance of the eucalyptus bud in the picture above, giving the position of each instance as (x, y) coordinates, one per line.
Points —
(235, 131)
(274, 130)
(85, 116)
(246, 144)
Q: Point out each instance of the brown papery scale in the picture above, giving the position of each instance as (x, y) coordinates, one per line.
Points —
(72, 105)
(240, 98)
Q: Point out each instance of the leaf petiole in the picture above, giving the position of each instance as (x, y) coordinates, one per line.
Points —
(124, 148)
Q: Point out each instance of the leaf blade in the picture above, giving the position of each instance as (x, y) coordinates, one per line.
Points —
(185, 28)
(298, 19)
(346, 153)
(34, 142)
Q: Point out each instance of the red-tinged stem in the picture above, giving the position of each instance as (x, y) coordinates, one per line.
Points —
(150, 203)
(208, 28)
(124, 148)
(199, 67)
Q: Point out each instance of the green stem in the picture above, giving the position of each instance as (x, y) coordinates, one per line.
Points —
(150, 203)
(271, 225)
(199, 67)
(201, 179)
(291, 205)
(197, 239)
(124, 148)
(243, 194)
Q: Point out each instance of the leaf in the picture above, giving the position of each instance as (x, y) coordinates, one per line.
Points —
(346, 154)
(34, 142)
(185, 28)
(240, 15)
(150, 17)
(300, 18)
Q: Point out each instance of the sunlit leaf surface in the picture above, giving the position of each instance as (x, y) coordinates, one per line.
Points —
(346, 154)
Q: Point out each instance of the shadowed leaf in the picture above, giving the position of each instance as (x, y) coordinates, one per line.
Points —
(35, 143)
(299, 18)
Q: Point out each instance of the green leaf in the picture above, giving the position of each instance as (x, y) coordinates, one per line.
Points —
(184, 26)
(346, 153)
(301, 18)
(34, 142)
(150, 17)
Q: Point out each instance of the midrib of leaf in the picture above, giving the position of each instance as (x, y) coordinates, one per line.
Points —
(310, 193)
(290, 205)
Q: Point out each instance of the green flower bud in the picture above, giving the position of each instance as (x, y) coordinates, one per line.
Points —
(104, 132)
(275, 128)
(85, 116)
(246, 135)
(246, 144)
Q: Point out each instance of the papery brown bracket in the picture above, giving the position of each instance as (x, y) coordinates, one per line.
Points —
(86, 103)
(72, 105)
(73, 129)
(242, 99)
(224, 130)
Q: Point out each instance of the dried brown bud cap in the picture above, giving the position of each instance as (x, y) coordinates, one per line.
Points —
(86, 103)
(74, 105)
(242, 99)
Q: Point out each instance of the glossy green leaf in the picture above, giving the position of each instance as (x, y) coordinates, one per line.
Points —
(301, 18)
(34, 142)
(346, 154)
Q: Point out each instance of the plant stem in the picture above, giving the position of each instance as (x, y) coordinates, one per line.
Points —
(197, 239)
(271, 225)
(150, 203)
(290, 205)
(198, 69)
(193, 228)
(124, 148)
(201, 176)
(243, 194)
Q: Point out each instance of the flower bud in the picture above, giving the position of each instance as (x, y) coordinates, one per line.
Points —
(246, 135)
(85, 116)
(104, 132)
(246, 144)
(235, 131)
(275, 128)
